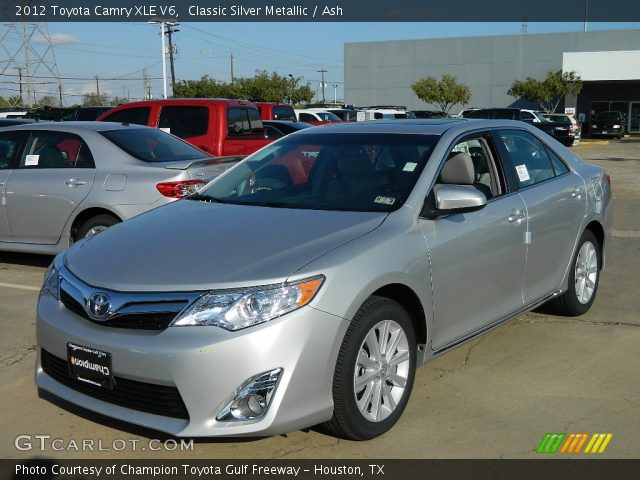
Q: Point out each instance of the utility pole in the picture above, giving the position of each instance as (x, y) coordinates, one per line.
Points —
(171, 29)
(98, 91)
(146, 86)
(231, 58)
(60, 92)
(322, 72)
(20, 83)
(335, 94)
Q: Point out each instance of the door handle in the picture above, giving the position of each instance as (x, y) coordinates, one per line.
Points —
(577, 192)
(517, 215)
(74, 182)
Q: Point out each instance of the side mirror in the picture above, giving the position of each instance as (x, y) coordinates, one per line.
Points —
(452, 199)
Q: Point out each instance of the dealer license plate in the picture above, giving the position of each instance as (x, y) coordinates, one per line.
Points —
(89, 365)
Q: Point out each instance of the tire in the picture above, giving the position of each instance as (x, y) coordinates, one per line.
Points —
(360, 376)
(580, 295)
(95, 225)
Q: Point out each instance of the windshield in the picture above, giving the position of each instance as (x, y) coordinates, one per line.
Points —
(557, 118)
(608, 117)
(328, 117)
(355, 172)
(151, 145)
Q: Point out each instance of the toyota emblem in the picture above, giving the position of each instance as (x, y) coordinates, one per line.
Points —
(98, 306)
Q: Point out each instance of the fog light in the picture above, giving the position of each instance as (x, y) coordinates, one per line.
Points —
(253, 398)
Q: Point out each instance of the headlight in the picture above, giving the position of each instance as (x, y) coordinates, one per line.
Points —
(594, 126)
(616, 126)
(51, 285)
(245, 308)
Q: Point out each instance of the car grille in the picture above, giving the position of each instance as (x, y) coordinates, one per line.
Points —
(144, 397)
(141, 320)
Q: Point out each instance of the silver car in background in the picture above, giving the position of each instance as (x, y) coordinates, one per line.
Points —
(60, 182)
(306, 284)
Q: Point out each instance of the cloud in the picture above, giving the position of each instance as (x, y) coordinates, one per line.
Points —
(63, 38)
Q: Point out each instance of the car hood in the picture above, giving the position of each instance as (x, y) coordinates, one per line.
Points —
(193, 245)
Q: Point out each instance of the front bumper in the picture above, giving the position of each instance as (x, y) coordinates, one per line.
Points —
(206, 365)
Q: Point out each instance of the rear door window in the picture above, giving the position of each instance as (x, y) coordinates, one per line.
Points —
(184, 121)
(10, 143)
(307, 117)
(56, 150)
(136, 115)
(284, 112)
(244, 121)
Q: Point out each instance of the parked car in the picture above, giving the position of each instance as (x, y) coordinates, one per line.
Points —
(316, 117)
(8, 113)
(561, 131)
(274, 129)
(306, 284)
(276, 111)
(386, 113)
(218, 126)
(607, 124)
(61, 182)
(567, 119)
(344, 114)
(429, 114)
(86, 114)
(10, 122)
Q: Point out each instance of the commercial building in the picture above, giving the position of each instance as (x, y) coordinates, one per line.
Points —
(381, 73)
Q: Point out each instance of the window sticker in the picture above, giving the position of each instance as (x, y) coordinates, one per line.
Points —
(165, 129)
(385, 200)
(523, 173)
(409, 167)
(31, 160)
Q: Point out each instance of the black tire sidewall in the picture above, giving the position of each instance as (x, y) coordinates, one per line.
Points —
(574, 304)
(358, 426)
(97, 221)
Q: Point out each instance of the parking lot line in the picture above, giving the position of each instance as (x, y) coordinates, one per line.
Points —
(19, 287)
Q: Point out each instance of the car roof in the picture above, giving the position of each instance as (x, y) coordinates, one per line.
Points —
(436, 126)
(74, 127)
(185, 101)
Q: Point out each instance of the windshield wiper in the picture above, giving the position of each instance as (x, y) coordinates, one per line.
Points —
(204, 198)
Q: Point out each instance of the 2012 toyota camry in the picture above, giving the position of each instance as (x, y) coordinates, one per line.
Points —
(305, 284)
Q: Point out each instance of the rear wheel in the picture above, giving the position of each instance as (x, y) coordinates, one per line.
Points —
(584, 277)
(95, 225)
(375, 371)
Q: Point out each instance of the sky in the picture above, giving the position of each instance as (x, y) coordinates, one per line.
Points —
(121, 51)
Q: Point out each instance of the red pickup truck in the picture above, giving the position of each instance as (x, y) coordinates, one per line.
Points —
(276, 111)
(218, 126)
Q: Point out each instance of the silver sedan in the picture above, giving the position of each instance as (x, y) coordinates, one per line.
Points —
(306, 284)
(60, 182)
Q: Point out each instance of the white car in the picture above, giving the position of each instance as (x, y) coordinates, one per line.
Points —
(315, 117)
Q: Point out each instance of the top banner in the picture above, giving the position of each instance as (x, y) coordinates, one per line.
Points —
(320, 11)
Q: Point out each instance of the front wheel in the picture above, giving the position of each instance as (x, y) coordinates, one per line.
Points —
(584, 277)
(374, 372)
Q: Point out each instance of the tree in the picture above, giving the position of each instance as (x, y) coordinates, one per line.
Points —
(303, 94)
(206, 87)
(47, 101)
(92, 99)
(262, 87)
(549, 92)
(10, 102)
(444, 93)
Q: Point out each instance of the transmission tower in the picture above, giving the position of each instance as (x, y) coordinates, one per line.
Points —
(27, 62)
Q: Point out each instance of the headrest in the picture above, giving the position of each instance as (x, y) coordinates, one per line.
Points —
(458, 170)
(356, 164)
